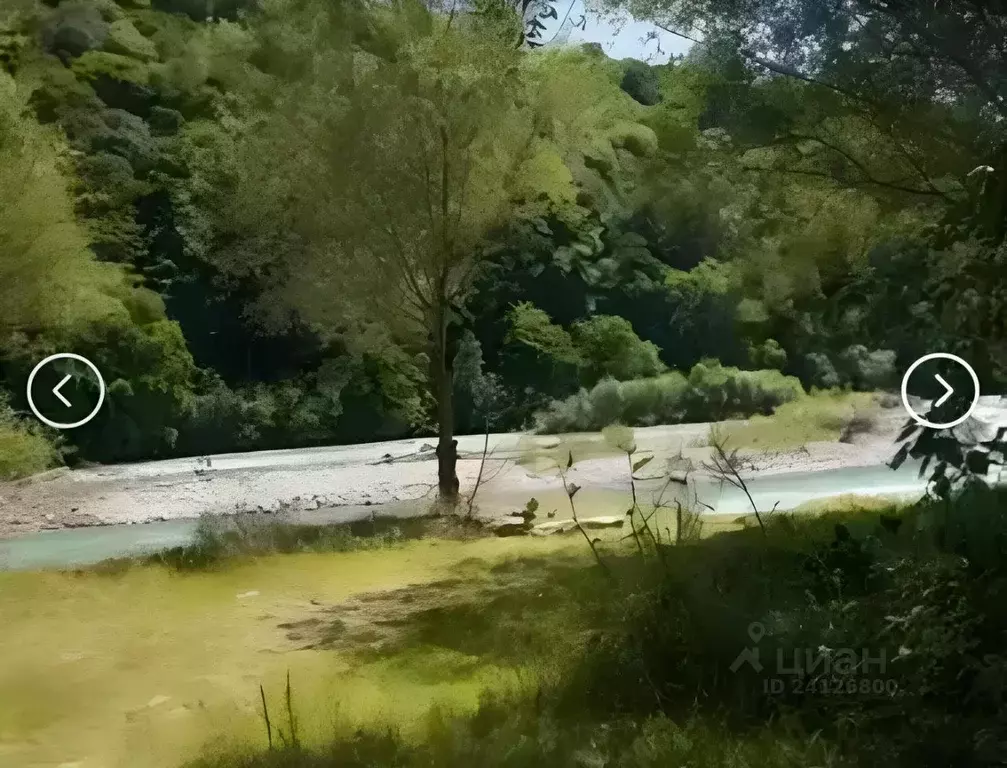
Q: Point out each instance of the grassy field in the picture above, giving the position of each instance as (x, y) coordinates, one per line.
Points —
(144, 666)
(149, 665)
(819, 417)
(645, 669)
(825, 416)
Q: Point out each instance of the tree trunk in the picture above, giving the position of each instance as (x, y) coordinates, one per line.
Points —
(442, 387)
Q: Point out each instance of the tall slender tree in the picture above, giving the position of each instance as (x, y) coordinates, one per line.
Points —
(390, 171)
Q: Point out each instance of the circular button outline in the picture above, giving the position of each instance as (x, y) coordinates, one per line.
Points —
(66, 356)
(939, 356)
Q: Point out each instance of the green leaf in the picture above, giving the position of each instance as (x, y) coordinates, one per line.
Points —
(642, 463)
(899, 459)
(541, 227)
(977, 462)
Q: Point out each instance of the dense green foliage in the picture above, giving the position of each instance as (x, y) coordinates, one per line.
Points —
(710, 392)
(288, 223)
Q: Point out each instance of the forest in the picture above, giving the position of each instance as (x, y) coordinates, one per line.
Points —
(288, 223)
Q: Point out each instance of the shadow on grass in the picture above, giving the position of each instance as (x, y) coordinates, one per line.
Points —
(508, 615)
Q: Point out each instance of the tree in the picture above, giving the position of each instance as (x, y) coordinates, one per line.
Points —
(915, 81)
(390, 173)
(641, 82)
(48, 278)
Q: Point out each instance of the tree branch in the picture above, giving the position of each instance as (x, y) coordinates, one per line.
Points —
(783, 69)
(950, 51)
(861, 183)
(868, 176)
(407, 270)
(907, 156)
(675, 32)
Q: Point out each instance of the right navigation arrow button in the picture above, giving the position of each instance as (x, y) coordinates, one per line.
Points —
(948, 391)
(925, 391)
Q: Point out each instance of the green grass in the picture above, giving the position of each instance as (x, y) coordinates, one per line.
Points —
(515, 734)
(545, 616)
(644, 678)
(820, 417)
(517, 653)
(144, 665)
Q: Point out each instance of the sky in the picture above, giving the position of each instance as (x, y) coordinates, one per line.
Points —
(620, 38)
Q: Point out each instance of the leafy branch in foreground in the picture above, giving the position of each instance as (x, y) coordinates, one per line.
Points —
(727, 467)
(957, 456)
(571, 491)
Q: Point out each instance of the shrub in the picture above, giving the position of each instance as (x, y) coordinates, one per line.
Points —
(819, 371)
(95, 64)
(606, 402)
(531, 326)
(654, 401)
(574, 414)
(73, 30)
(769, 354)
(710, 393)
(717, 393)
(638, 140)
(868, 370)
(607, 345)
(125, 40)
(23, 451)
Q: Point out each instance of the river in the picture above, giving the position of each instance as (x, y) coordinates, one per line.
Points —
(84, 546)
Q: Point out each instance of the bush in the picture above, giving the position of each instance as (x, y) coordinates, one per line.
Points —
(717, 393)
(73, 30)
(125, 40)
(283, 415)
(532, 327)
(149, 372)
(712, 392)
(655, 400)
(574, 414)
(820, 372)
(23, 451)
(868, 370)
(769, 354)
(607, 345)
(606, 402)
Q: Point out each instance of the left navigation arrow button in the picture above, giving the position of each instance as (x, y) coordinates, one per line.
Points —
(65, 391)
(55, 391)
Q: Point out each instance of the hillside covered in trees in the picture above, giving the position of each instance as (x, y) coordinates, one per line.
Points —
(297, 222)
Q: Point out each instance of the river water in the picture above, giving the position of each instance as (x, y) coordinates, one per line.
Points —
(84, 546)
